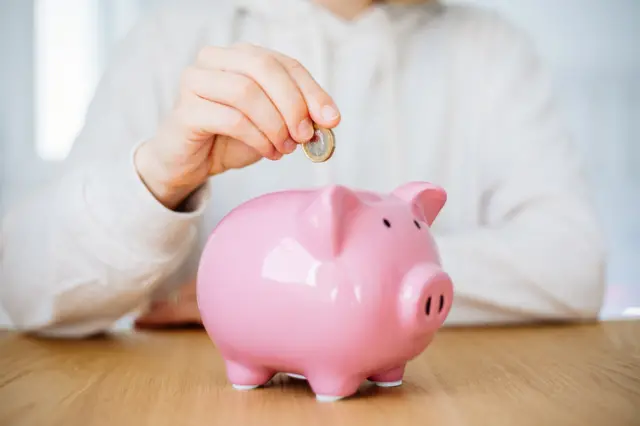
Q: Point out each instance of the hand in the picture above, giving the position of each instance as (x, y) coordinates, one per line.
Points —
(180, 309)
(236, 105)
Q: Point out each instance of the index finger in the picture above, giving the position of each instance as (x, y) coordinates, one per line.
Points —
(321, 106)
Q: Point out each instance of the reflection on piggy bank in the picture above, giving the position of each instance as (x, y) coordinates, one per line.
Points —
(334, 285)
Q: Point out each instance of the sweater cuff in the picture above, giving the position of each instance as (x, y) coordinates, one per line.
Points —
(120, 201)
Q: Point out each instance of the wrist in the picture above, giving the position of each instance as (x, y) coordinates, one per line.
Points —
(157, 180)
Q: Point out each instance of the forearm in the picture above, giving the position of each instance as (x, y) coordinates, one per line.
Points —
(545, 264)
(90, 248)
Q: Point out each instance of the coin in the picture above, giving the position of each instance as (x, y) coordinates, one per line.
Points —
(321, 146)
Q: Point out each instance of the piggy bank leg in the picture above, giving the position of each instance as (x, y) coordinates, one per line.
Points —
(296, 376)
(329, 388)
(245, 377)
(389, 378)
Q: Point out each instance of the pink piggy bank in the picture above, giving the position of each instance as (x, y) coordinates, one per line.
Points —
(332, 285)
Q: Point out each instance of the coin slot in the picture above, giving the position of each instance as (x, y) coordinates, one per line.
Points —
(416, 223)
(386, 223)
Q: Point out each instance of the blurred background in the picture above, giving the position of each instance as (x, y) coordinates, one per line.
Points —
(53, 53)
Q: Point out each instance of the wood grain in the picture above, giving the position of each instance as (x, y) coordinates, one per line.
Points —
(552, 375)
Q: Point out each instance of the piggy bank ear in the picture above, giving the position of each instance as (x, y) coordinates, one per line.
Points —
(323, 223)
(426, 199)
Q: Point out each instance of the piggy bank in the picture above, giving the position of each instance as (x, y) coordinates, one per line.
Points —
(332, 285)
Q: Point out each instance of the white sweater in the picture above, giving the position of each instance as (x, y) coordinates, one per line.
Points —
(448, 94)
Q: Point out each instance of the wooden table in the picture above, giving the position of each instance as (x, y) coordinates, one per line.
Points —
(551, 375)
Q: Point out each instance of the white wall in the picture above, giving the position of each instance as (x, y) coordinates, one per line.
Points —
(592, 47)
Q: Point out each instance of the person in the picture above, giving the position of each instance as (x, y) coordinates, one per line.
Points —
(206, 104)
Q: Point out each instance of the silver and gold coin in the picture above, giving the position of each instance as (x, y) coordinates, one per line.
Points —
(321, 146)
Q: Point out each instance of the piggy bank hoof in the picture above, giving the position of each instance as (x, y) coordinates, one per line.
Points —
(245, 387)
(328, 398)
(296, 376)
(388, 384)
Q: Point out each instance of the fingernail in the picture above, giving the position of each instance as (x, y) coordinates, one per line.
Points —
(289, 145)
(305, 129)
(329, 113)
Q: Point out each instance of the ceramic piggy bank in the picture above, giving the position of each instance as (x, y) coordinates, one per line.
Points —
(332, 285)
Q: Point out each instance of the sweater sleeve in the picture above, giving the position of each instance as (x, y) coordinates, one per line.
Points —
(539, 254)
(91, 245)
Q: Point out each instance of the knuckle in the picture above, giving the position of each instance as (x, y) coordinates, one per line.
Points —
(265, 62)
(234, 120)
(279, 134)
(268, 150)
(261, 144)
(206, 53)
(282, 134)
(294, 65)
(299, 109)
(246, 89)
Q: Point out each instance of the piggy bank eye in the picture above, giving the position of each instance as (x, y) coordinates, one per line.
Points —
(416, 223)
(386, 223)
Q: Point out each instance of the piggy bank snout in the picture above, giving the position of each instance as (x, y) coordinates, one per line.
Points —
(437, 296)
(426, 299)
